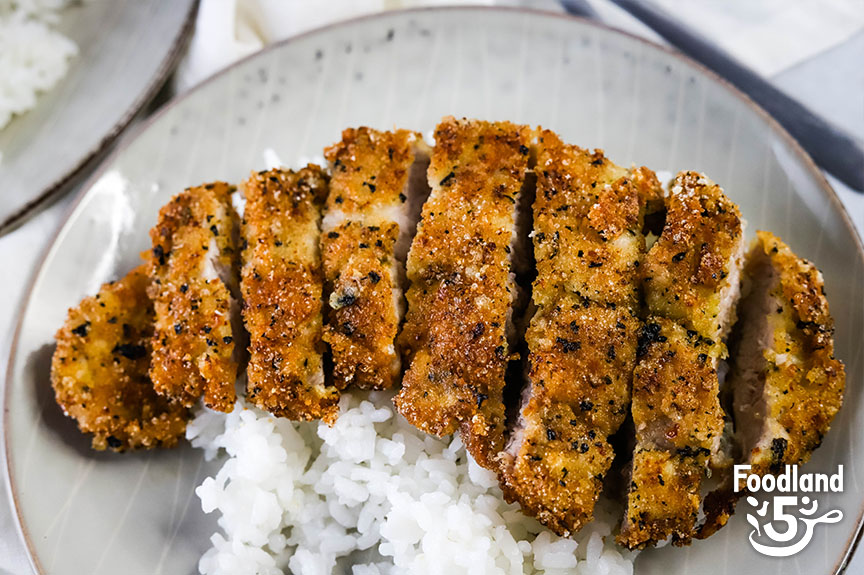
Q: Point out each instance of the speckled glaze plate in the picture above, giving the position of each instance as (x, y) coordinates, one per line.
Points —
(126, 49)
(83, 512)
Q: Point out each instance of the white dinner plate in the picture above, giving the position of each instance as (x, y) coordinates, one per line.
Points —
(96, 513)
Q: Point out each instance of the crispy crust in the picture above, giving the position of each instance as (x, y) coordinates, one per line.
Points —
(371, 171)
(281, 281)
(692, 267)
(691, 284)
(679, 422)
(99, 370)
(455, 338)
(675, 404)
(803, 381)
(786, 382)
(193, 341)
(665, 500)
(587, 224)
(581, 362)
(588, 244)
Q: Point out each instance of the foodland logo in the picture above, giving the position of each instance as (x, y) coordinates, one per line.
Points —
(786, 510)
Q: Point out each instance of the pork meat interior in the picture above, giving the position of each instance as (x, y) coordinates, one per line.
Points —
(787, 384)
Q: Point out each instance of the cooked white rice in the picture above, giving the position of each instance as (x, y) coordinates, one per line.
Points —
(369, 496)
(33, 55)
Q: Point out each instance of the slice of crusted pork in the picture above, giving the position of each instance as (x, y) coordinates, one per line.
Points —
(588, 244)
(691, 287)
(282, 285)
(679, 422)
(693, 272)
(193, 281)
(462, 285)
(377, 188)
(99, 370)
(787, 384)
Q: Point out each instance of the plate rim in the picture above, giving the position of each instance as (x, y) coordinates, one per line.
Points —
(35, 274)
(96, 154)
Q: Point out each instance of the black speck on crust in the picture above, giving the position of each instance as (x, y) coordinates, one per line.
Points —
(650, 334)
(130, 351)
(82, 329)
(778, 450)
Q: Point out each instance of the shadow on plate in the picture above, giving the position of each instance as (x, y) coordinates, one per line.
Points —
(65, 428)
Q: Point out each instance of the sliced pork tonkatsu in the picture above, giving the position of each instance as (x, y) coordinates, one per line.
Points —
(377, 188)
(588, 245)
(455, 338)
(693, 272)
(282, 285)
(191, 268)
(786, 382)
(100, 370)
(691, 287)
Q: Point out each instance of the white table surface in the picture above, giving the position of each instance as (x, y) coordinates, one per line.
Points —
(832, 83)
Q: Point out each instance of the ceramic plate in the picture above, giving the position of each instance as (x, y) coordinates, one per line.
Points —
(126, 48)
(84, 512)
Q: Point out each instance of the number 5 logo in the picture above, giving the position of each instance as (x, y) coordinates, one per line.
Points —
(788, 534)
(781, 502)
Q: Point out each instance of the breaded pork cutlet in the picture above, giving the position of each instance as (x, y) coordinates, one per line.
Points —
(100, 370)
(691, 287)
(281, 281)
(588, 244)
(679, 423)
(191, 267)
(456, 331)
(787, 384)
(377, 188)
(693, 272)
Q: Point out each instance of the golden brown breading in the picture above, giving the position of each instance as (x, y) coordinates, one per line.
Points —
(691, 286)
(367, 209)
(191, 267)
(588, 243)
(281, 281)
(588, 224)
(581, 363)
(455, 335)
(679, 422)
(99, 370)
(667, 499)
(692, 273)
(788, 385)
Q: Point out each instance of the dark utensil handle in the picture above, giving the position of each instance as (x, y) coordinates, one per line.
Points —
(830, 146)
(580, 8)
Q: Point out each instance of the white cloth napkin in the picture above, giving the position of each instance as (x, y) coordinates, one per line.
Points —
(769, 35)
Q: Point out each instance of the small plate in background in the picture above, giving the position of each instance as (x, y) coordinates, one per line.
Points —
(126, 50)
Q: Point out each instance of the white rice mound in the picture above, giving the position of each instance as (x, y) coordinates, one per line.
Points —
(33, 55)
(371, 496)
